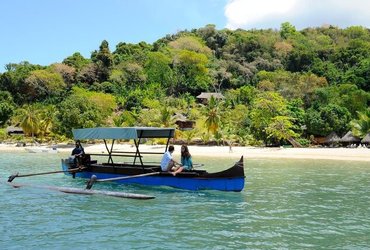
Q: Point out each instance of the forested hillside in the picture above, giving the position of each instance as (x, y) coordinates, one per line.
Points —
(280, 86)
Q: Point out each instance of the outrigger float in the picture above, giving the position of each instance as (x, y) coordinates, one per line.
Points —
(146, 173)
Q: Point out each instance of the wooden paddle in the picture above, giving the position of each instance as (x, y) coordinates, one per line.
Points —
(12, 177)
(94, 179)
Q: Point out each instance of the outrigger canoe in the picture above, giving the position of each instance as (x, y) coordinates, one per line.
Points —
(41, 150)
(147, 173)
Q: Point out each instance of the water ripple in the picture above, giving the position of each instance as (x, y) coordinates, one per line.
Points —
(285, 205)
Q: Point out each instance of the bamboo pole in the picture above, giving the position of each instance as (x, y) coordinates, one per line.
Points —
(12, 177)
(94, 179)
(85, 192)
(127, 177)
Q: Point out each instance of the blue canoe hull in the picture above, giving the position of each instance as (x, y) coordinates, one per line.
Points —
(229, 183)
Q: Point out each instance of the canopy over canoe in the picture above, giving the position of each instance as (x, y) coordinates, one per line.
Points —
(126, 133)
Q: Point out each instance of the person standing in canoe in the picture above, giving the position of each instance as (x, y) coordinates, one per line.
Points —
(168, 164)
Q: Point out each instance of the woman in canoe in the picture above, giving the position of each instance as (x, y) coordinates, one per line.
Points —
(186, 161)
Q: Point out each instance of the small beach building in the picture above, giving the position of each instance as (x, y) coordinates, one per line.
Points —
(182, 122)
(205, 96)
(332, 140)
(12, 130)
(366, 140)
(350, 140)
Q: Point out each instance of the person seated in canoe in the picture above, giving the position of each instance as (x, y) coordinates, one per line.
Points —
(77, 152)
(186, 161)
(168, 164)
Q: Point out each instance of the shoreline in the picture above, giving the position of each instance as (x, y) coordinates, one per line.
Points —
(344, 154)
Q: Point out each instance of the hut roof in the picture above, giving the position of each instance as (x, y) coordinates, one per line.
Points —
(12, 129)
(366, 139)
(332, 138)
(179, 117)
(207, 95)
(349, 137)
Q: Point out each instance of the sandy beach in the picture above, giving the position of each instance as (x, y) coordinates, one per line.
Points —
(347, 154)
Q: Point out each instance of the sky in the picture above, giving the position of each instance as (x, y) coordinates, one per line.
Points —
(47, 31)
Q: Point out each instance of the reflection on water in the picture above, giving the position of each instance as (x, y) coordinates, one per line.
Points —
(293, 204)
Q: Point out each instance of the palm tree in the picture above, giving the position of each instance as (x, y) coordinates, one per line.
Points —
(29, 120)
(361, 126)
(46, 116)
(165, 117)
(213, 117)
(189, 135)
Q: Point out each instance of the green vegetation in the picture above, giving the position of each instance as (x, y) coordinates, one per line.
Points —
(280, 86)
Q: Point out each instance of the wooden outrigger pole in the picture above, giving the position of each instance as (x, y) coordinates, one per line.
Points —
(85, 191)
(68, 190)
(72, 170)
(93, 178)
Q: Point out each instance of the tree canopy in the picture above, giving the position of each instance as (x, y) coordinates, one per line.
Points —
(278, 85)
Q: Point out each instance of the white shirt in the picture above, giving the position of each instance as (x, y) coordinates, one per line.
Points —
(167, 157)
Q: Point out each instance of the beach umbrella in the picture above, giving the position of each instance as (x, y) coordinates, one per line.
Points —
(350, 138)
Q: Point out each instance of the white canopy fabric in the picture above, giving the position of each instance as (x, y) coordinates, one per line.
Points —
(123, 133)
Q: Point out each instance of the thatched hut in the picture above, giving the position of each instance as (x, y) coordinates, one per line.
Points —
(332, 139)
(366, 139)
(183, 122)
(349, 139)
(12, 130)
(205, 96)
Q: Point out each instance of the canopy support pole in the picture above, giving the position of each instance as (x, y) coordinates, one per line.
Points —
(110, 159)
(137, 153)
(168, 141)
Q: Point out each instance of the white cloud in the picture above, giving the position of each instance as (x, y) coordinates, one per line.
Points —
(301, 13)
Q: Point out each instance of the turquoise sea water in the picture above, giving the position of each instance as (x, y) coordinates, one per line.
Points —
(286, 204)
